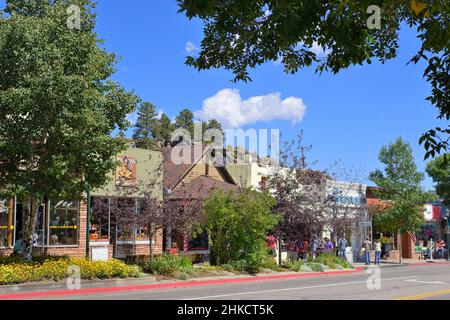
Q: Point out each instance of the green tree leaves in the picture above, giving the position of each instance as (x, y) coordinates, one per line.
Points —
(145, 126)
(400, 188)
(238, 225)
(58, 105)
(439, 171)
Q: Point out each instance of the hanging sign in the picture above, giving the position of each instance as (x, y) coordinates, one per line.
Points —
(428, 212)
(126, 172)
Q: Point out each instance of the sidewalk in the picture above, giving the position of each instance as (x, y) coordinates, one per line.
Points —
(55, 289)
(405, 262)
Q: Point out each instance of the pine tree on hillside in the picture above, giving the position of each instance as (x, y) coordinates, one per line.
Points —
(143, 134)
(162, 132)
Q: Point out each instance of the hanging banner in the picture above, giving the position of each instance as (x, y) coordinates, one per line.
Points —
(428, 212)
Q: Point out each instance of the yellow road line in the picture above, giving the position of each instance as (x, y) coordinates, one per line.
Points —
(424, 295)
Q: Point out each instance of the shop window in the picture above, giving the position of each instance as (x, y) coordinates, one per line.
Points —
(100, 220)
(40, 230)
(124, 209)
(200, 242)
(4, 222)
(63, 223)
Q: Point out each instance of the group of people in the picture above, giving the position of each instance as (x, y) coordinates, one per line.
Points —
(367, 248)
(433, 248)
(299, 250)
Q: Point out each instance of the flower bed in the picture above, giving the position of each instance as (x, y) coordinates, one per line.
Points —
(13, 270)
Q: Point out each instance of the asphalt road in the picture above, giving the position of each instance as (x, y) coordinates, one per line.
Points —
(402, 282)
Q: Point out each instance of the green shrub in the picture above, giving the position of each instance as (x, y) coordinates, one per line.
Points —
(305, 268)
(331, 261)
(316, 267)
(271, 264)
(327, 259)
(167, 264)
(238, 225)
(227, 267)
(182, 276)
(296, 266)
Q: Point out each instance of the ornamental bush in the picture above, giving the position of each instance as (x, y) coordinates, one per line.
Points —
(237, 224)
(331, 261)
(317, 267)
(167, 264)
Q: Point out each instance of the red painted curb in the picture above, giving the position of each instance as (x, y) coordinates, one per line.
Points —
(56, 293)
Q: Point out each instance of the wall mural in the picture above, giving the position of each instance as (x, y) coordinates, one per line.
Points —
(126, 172)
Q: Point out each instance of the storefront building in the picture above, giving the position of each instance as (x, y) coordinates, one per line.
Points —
(61, 227)
(347, 209)
(192, 181)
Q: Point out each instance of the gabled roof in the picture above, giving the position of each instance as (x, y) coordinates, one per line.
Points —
(174, 172)
(200, 188)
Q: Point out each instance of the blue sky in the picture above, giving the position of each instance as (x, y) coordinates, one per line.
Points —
(349, 116)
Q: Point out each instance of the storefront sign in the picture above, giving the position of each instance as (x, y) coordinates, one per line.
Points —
(346, 194)
(126, 172)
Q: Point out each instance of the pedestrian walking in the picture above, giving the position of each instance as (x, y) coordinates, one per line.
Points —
(342, 245)
(367, 246)
(328, 246)
(302, 250)
(378, 252)
(315, 243)
(440, 249)
(292, 251)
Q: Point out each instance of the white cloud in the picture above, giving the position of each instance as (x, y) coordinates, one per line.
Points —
(132, 117)
(232, 111)
(319, 50)
(190, 47)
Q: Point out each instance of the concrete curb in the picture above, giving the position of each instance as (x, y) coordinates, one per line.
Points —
(87, 291)
(393, 265)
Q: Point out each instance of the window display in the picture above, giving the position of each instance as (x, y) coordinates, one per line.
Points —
(100, 217)
(63, 223)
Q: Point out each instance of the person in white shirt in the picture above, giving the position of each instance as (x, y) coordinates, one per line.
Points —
(378, 252)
